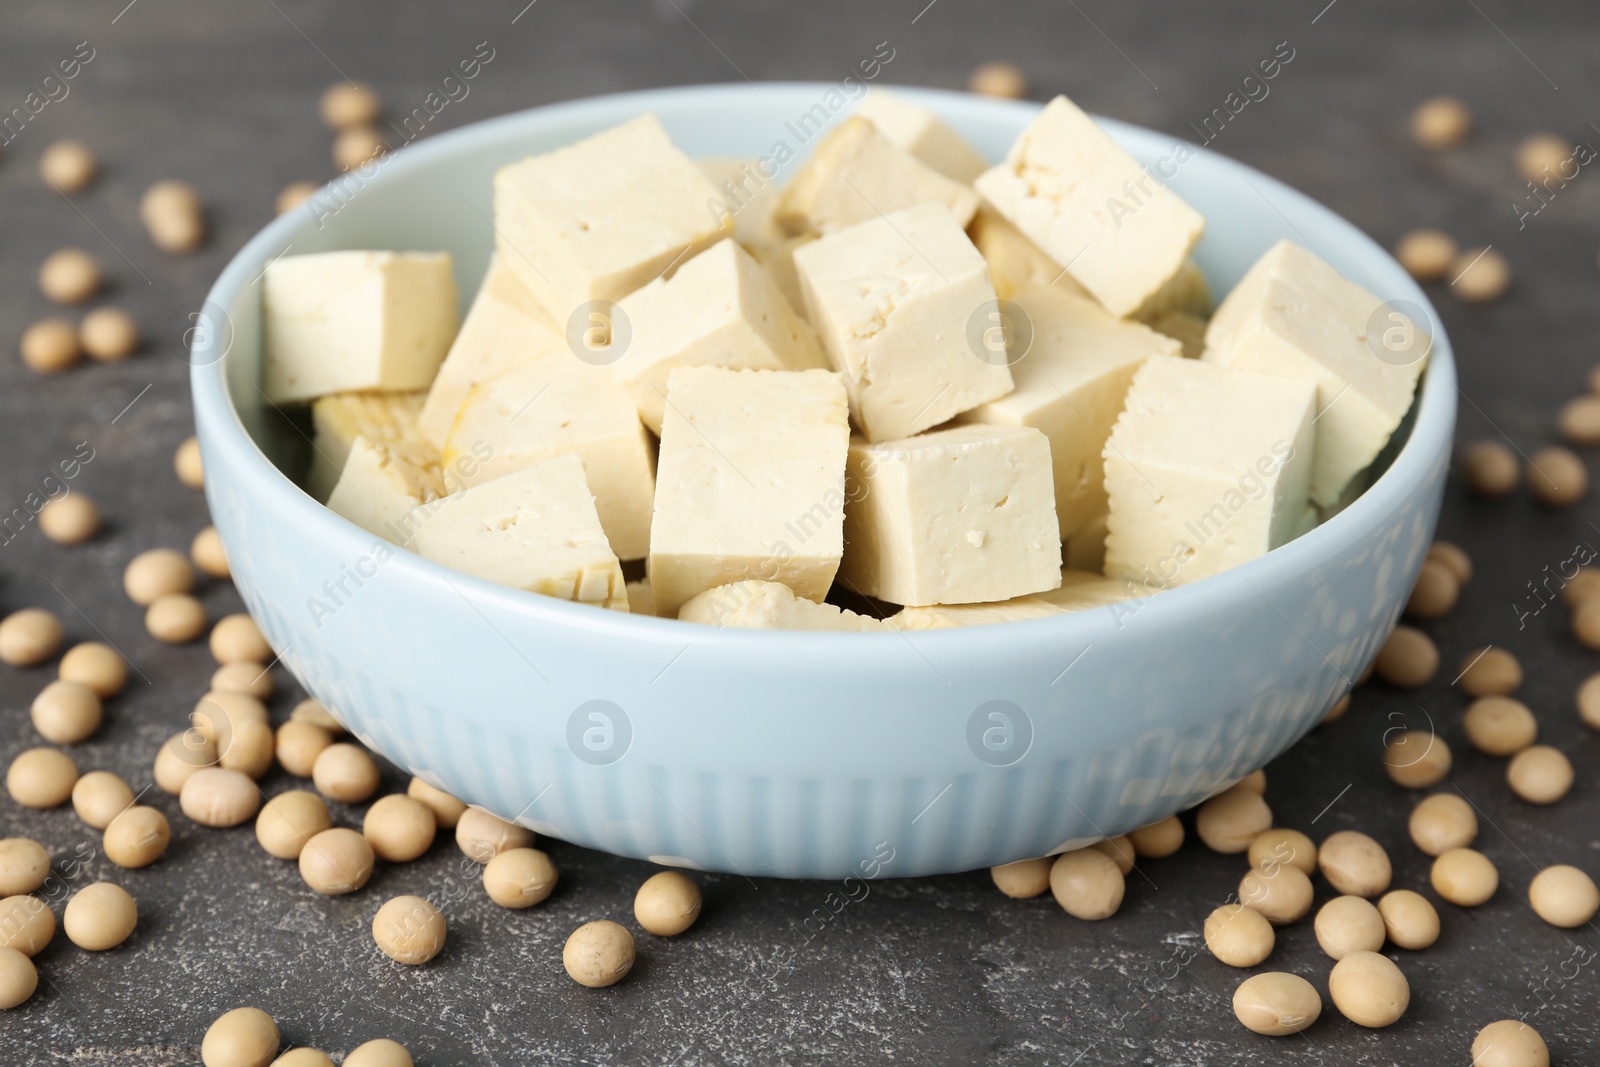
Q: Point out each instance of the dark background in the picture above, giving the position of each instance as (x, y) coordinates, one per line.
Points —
(928, 971)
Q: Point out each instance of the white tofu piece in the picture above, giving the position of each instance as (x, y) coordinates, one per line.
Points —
(719, 310)
(504, 328)
(555, 406)
(1016, 264)
(1070, 386)
(857, 174)
(893, 301)
(1294, 315)
(1207, 468)
(922, 133)
(758, 605)
(641, 598)
(1092, 207)
(597, 219)
(750, 195)
(381, 484)
(385, 419)
(957, 516)
(1187, 291)
(750, 482)
(1187, 329)
(778, 260)
(535, 529)
(1079, 591)
(335, 322)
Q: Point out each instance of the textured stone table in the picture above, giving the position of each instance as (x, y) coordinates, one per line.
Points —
(929, 971)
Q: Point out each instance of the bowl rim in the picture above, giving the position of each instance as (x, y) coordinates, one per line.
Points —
(1432, 414)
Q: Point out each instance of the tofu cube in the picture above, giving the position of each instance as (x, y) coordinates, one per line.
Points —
(381, 483)
(504, 328)
(1070, 386)
(857, 174)
(750, 482)
(1079, 591)
(535, 529)
(719, 310)
(922, 133)
(597, 219)
(778, 261)
(1016, 264)
(758, 605)
(336, 322)
(1092, 207)
(893, 301)
(957, 516)
(555, 406)
(1294, 315)
(749, 194)
(338, 419)
(1207, 468)
(641, 599)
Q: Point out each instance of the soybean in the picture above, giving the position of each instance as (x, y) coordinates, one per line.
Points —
(667, 903)
(1408, 659)
(1509, 1043)
(98, 666)
(1276, 1003)
(108, 334)
(99, 797)
(409, 930)
(289, 820)
(1540, 774)
(1349, 924)
(598, 954)
(69, 520)
(1409, 920)
(399, 828)
(243, 1037)
(482, 837)
(137, 837)
(1087, 884)
(1022, 880)
(1442, 822)
(100, 917)
(1464, 877)
(1564, 896)
(41, 778)
(1491, 672)
(1354, 864)
(1369, 990)
(1229, 821)
(523, 877)
(1491, 468)
(1557, 476)
(1239, 936)
(336, 861)
(346, 773)
(29, 637)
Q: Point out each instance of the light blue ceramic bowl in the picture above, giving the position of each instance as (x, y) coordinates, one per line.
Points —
(798, 754)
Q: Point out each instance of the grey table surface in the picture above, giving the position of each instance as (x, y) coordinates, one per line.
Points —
(928, 971)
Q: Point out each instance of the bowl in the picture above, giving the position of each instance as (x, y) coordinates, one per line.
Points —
(784, 753)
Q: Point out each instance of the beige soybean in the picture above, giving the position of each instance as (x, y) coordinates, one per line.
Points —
(1581, 587)
(1087, 884)
(482, 837)
(1408, 659)
(100, 796)
(289, 820)
(1426, 254)
(1336, 712)
(250, 679)
(1369, 990)
(292, 196)
(348, 103)
(345, 772)
(24, 866)
(1278, 846)
(357, 146)
(70, 519)
(18, 978)
(1509, 1043)
(176, 619)
(1282, 894)
(1441, 122)
(186, 461)
(380, 1053)
(1491, 468)
(667, 903)
(41, 778)
(1491, 672)
(1416, 759)
(216, 713)
(26, 924)
(409, 930)
(304, 1057)
(1481, 275)
(1229, 821)
(336, 861)
(1586, 624)
(598, 954)
(298, 746)
(1120, 851)
(182, 755)
(1564, 896)
(219, 797)
(29, 637)
(1464, 877)
(98, 666)
(1409, 920)
(399, 828)
(67, 165)
(311, 710)
(1159, 839)
(137, 837)
(69, 276)
(49, 346)
(1557, 476)
(1454, 557)
(523, 877)
(1239, 936)
(1004, 80)
(1499, 726)
(1579, 421)
(1442, 822)
(100, 917)
(1354, 864)
(243, 1037)
(171, 212)
(66, 713)
(1589, 701)
(108, 334)
(1255, 781)
(1544, 156)
(1349, 924)
(1023, 879)
(237, 639)
(1276, 1003)
(249, 750)
(1540, 774)
(1435, 593)
(208, 554)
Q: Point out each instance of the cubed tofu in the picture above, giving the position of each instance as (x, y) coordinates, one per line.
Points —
(778, 260)
(894, 301)
(922, 133)
(1092, 207)
(957, 516)
(719, 310)
(504, 328)
(1207, 468)
(597, 219)
(1187, 291)
(857, 174)
(535, 529)
(384, 419)
(1016, 264)
(555, 406)
(381, 483)
(1294, 315)
(750, 482)
(749, 194)
(1187, 329)
(335, 322)
(641, 598)
(1070, 385)
(1079, 591)
(758, 605)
